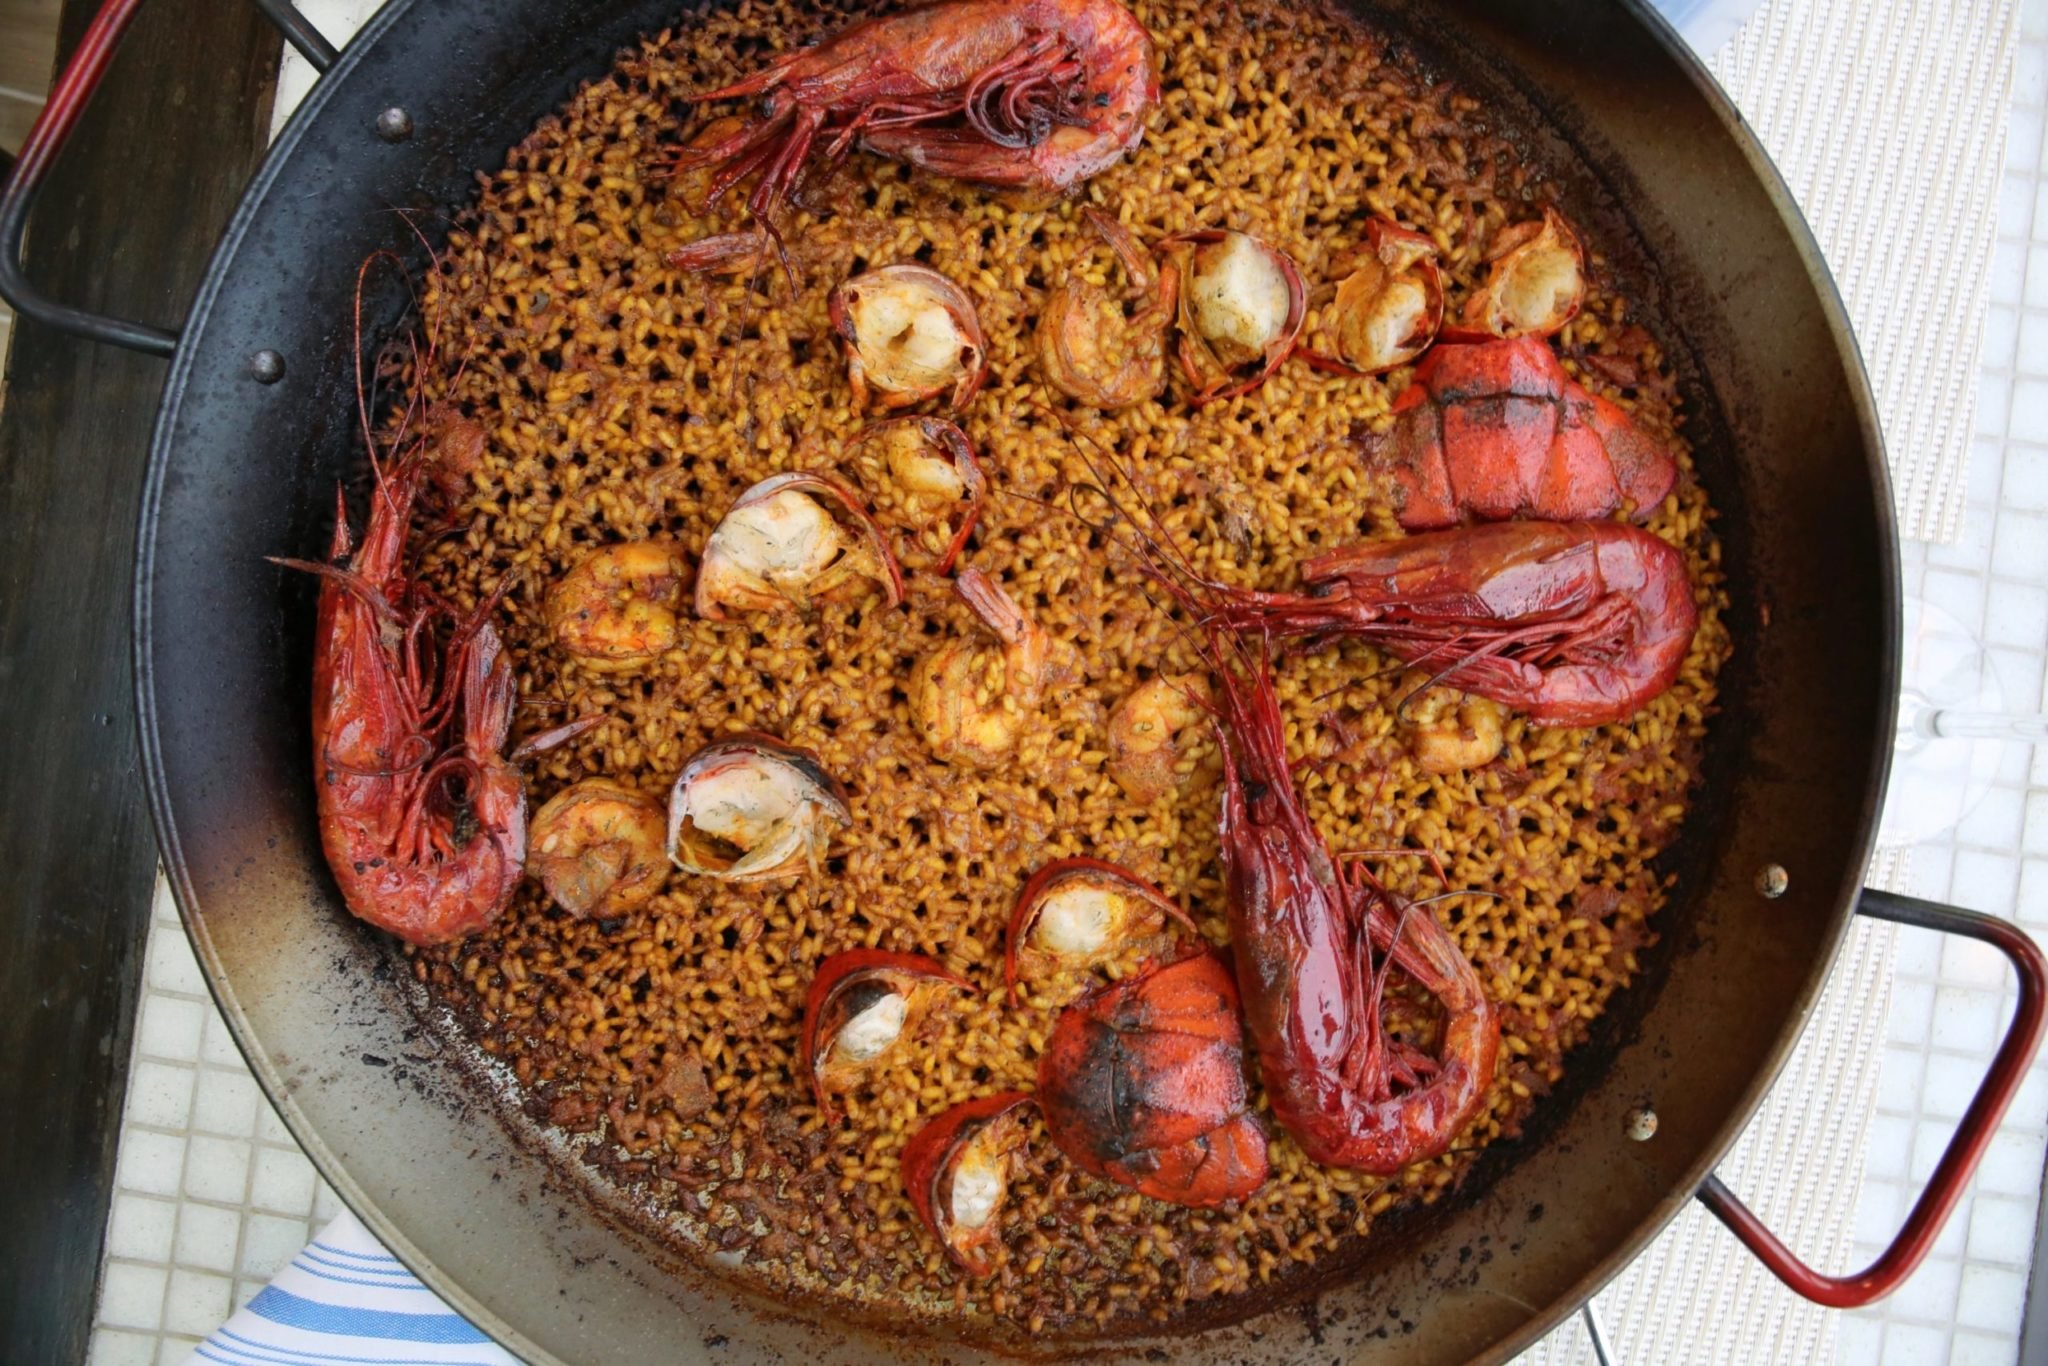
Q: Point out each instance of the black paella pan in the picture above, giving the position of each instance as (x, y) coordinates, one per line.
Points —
(257, 422)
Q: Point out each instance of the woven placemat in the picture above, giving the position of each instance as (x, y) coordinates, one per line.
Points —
(1887, 120)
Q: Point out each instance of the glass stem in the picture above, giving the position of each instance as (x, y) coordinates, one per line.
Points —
(1951, 724)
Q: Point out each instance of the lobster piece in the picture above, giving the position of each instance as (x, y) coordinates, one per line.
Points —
(1536, 283)
(1574, 624)
(422, 818)
(1076, 913)
(1304, 942)
(1497, 429)
(1037, 94)
(1387, 306)
(752, 809)
(1142, 1083)
(1242, 306)
(791, 540)
(956, 1171)
(861, 1006)
(910, 334)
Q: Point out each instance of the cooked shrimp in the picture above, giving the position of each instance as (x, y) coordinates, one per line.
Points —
(617, 609)
(969, 704)
(1158, 742)
(597, 847)
(930, 479)
(1448, 731)
(1089, 348)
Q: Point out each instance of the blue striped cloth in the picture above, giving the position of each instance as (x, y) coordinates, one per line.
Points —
(345, 1301)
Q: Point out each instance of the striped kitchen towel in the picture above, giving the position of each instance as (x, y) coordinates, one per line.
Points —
(345, 1301)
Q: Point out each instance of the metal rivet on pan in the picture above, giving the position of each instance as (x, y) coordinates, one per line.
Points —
(266, 367)
(394, 125)
(1640, 1124)
(1772, 880)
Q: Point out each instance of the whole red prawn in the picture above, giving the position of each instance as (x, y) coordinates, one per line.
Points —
(1573, 623)
(1039, 94)
(422, 818)
(1304, 939)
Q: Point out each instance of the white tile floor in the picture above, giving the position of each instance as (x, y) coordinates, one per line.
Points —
(214, 1197)
(1951, 999)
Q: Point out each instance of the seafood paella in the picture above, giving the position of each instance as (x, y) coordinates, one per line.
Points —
(1025, 657)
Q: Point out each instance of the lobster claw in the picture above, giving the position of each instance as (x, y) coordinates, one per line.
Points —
(1242, 306)
(1142, 1083)
(956, 1171)
(1536, 285)
(861, 1006)
(1078, 913)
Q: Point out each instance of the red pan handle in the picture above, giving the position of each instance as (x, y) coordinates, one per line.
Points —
(1952, 1174)
(68, 98)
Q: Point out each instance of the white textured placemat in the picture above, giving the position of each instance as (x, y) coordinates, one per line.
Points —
(1696, 1297)
(1887, 119)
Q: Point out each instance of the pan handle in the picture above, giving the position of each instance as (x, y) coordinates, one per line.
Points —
(2008, 1070)
(68, 98)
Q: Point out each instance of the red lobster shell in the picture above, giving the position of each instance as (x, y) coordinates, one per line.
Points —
(849, 984)
(1142, 1083)
(1497, 429)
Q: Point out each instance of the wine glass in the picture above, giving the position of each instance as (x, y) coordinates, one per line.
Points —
(1952, 726)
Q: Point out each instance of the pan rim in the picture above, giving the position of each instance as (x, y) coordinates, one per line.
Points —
(1864, 402)
(164, 441)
